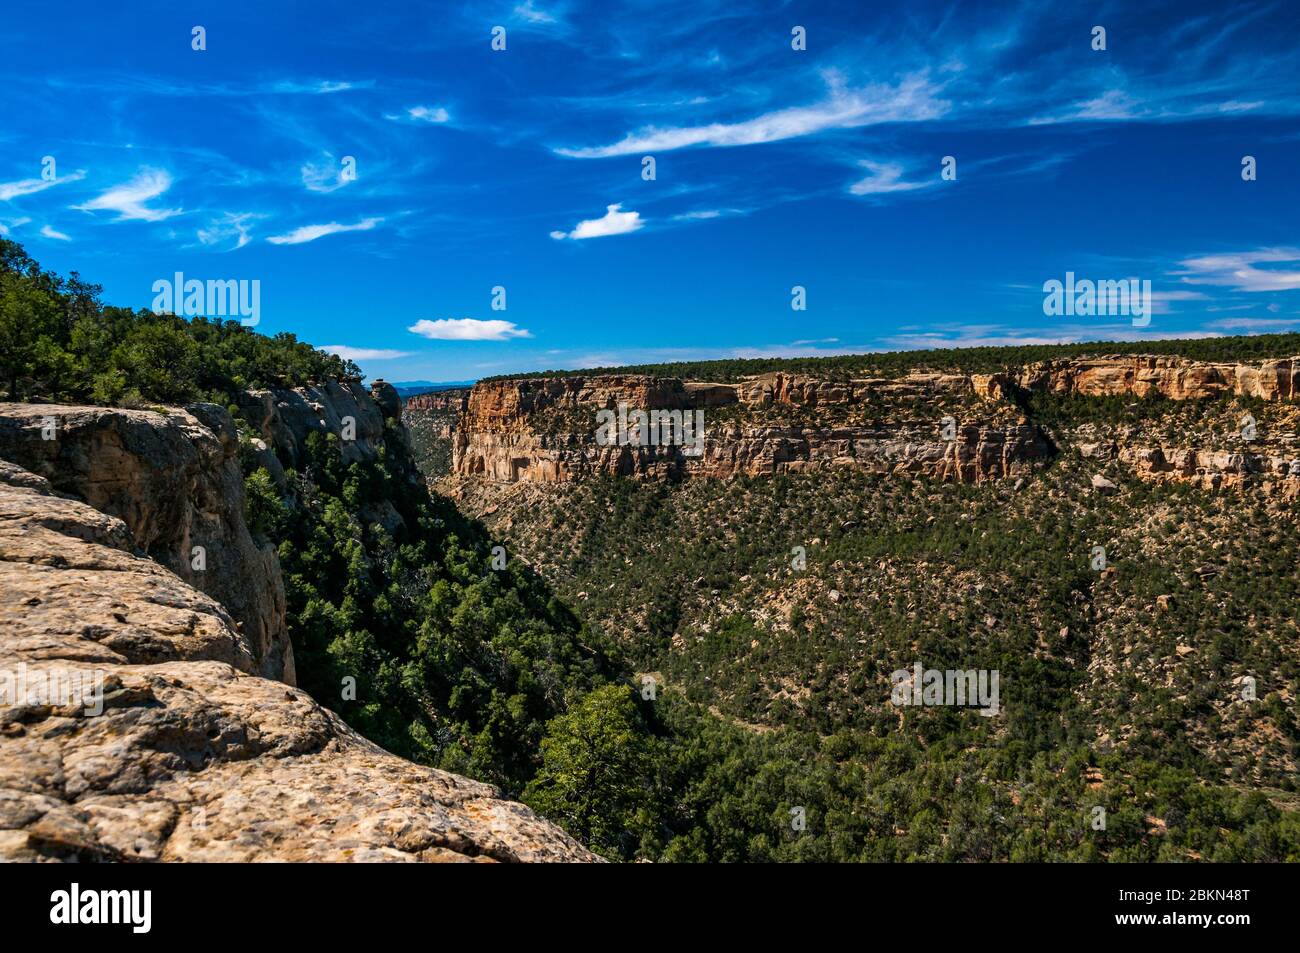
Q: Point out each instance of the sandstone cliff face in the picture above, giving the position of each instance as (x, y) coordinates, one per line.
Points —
(187, 754)
(975, 454)
(454, 399)
(174, 480)
(438, 411)
(543, 429)
(500, 435)
(1170, 376)
(793, 390)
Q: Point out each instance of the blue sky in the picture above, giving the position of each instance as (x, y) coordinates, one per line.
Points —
(775, 167)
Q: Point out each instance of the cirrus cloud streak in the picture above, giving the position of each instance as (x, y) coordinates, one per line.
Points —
(309, 233)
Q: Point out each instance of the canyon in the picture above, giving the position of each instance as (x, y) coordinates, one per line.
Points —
(126, 557)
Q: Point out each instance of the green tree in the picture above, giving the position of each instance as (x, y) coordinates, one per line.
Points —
(597, 777)
(29, 318)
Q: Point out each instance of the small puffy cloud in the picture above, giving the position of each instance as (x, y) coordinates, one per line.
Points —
(613, 222)
(51, 233)
(12, 190)
(364, 353)
(430, 114)
(129, 199)
(467, 329)
(309, 233)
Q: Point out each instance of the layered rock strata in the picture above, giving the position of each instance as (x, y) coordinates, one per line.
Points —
(544, 428)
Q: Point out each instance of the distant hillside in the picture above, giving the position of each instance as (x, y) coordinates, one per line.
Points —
(970, 360)
(407, 389)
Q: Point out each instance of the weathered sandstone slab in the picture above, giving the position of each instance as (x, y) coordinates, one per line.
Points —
(193, 757)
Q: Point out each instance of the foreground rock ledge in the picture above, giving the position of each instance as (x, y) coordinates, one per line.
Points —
(193, 758)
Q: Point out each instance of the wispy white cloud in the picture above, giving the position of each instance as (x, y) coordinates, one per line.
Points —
(364, 353)
(613, 222)
(129, 199)
(7, 224)
(913, 99)
(49, 232)
(1114, 104)
(309, 233)
(467, 329)
(883, 178)
(1239, 271)
(533, 14)
(232, 226)
(324, 176)
(1258, 325)
(12, 190)
(708, 214)
(622, 357)
(999, 336)
(319, 87)
(141, 85)
(1161, 300)
(429, 114)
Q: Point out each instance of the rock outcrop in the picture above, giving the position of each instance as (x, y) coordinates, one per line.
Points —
(439, 412)
(974, 455)
(1172, 377)
(544, 429)
(285, 418)
(134, 725)
(452, 399)
(173, 478)
(1274, 474)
